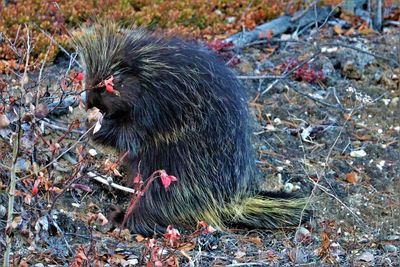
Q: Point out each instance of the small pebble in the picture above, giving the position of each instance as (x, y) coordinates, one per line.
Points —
(3, 211)
(218, 12)
(230, 19)
(4, 121)
(380, 165)
(366, 257)
(270, 127)
(240, 254)
(288, 187)
(92, 152)
(296, 188)
(279, 168)
(390, 248)
(277, 121)
(302, 235)
(132, 261)
(358, 153)
(394, 102)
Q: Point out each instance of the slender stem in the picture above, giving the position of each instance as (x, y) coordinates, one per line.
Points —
(11, 197)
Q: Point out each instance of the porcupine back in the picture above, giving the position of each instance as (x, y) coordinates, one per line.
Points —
(182, 110)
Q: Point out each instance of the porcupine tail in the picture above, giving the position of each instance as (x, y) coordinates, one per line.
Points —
(268, 210)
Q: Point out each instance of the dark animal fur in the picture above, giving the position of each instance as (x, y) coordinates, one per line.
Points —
(180, 109)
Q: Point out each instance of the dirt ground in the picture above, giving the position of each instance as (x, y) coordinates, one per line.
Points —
(335, 140)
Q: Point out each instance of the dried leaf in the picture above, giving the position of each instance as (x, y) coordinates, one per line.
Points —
(346, 116)
(338, 29)
(188, 246)
(365, 29)
(16, 222)
(117, 173)
(352, 177)
(93, 115)
(28, 199)
(23, 263)
(82, 187)
(240, 254)
(4, 121)
(324, 250)
(97, 127)
(350, 31)
(55, 189)
(140, 238)
(3, 85)
(363, 137)
(256, 240)
(41, 111)
(102, 219)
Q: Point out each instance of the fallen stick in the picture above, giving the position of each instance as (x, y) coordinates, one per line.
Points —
(275, 27)
(281, 25)
(112, 184)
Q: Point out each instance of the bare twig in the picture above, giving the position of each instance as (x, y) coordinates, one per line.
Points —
(61, 232)
(60, 128)
(261, 77)
(72, 179)
(244, 15)
(34, 163)
(330, 14)
(260, 263)
(293, 86)
(326, 191)
(337, 138)
(302, 13)
(57, 44)
(40, 76)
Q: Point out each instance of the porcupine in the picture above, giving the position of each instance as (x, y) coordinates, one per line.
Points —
(181, 109)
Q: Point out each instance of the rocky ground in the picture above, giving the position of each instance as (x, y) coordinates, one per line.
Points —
(327, 126)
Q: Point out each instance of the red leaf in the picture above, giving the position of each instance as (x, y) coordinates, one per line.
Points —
(172, 234)
(167, 179)
(137, 179)
(35, 188)
(79, 76)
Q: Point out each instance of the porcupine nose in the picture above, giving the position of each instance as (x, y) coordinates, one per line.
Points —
(93, 100)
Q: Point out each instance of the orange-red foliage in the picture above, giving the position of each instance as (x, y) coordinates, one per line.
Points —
(195, 18)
